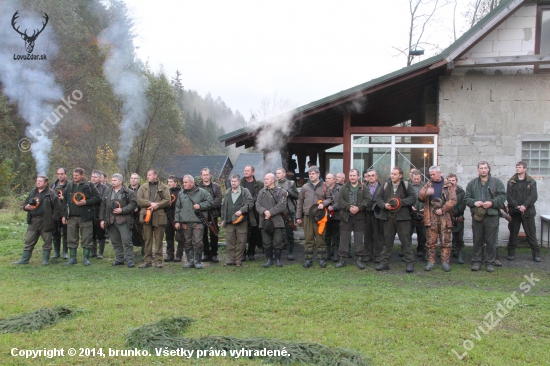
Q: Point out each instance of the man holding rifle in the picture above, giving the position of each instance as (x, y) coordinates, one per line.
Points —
(215, 191)
(173, 253)
(116, 217)
(190, 217)
(291, 196)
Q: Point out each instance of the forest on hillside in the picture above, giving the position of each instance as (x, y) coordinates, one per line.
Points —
(92, 103)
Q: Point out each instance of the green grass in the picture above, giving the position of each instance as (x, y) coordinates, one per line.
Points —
(392, 318)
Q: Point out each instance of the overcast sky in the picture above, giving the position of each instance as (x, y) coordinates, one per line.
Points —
(244, 50)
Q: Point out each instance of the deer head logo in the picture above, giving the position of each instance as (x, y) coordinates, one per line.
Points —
(29, 40)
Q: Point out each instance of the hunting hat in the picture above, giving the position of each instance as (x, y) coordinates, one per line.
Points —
(34, 202)
(315, 213)
(236, 219)
(78, 196)
(395, 203)
(268, 226)
(479, 213)
(115, 204)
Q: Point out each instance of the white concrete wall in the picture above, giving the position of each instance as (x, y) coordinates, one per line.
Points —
(513, 37)
(486, 117)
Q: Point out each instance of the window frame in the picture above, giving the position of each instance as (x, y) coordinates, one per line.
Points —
(540, 9)
(529, 159)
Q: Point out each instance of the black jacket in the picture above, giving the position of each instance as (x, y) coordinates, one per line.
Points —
(518, 197)
(51, 206)
(216, 192)
(87, 212)
(128, 203)
(408, 199)
(363, 201)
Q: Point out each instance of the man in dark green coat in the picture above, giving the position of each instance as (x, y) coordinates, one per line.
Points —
(353, 200)
(485, 195)
(458, 219)
(81, 198)
(254, 234)
(394, 200)
(192, 198)
(116, 216)
(270, 204)
(522, 195)
(292, 195)
(43, 212)
(237, 202)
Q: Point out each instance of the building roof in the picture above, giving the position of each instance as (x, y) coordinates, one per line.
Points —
(244, 159)
(181, 165)
(427, 66)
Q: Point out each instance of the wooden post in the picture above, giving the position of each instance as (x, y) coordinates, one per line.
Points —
(301, 167)
(347, 143)
(323, 163)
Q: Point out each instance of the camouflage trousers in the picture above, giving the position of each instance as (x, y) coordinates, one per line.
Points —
(438, 229)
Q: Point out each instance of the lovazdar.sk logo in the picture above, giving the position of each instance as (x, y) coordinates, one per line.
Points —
(29, 40)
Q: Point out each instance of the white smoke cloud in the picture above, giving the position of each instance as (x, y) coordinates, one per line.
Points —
(29, 83)
(122, 71)
(276, 123)
(272, 138)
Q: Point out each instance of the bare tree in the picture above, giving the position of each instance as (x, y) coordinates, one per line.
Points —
(422, 13)
(271, 106)
(477, 9)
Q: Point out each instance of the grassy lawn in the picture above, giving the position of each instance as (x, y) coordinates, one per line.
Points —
(392, 318)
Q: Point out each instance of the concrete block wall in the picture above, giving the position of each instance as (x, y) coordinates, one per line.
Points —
(515, 36)
(487, 117)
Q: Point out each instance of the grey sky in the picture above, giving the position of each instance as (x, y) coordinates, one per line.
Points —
(243, 50)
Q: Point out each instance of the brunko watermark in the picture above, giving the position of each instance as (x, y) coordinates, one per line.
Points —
(493, 318)
(49, 123)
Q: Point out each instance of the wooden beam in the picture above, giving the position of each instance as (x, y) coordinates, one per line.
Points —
(372, 130)
(503, 61)
(438, 64)
(347, 142)
(316, 140)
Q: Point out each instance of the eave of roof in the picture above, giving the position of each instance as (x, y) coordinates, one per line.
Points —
(392, 75)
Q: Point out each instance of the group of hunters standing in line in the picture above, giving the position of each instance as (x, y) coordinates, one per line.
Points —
(333, 213)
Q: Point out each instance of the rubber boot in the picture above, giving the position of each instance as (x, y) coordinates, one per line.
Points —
(46, 257)
(268, 255)
(190, 261)
(93, 249)
(72, 260)
(290, 250)
(24, 258)
(87, 256)
(459, 257)
(65, 249)
(101, 249)
(278, 257)
(56, 248)
(198, 264)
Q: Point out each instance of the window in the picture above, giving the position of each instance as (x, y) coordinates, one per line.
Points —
(382, 152)
(537, 156)
(542, 38)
